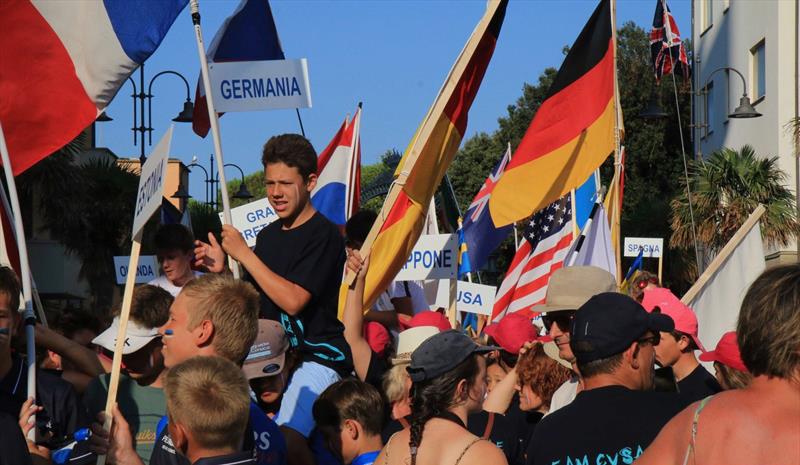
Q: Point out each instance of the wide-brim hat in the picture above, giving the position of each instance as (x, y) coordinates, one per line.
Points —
(572, 286)
(409, 340)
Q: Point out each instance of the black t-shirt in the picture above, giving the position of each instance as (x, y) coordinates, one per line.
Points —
(698, 385)
(13, 447)
(311, 256)
(60, 413)
(611, 424)
(504, 432)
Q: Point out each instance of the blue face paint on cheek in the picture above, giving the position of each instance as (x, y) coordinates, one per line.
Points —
(168, 332)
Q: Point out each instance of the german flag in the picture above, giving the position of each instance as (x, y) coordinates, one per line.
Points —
(426, 159)
(572, 132)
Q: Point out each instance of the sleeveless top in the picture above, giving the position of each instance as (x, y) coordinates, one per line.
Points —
(690, 449)
(458, 460)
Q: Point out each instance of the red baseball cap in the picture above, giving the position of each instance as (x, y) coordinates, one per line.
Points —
(683, 316)
(377, 337)
(426, 318)
(726, 353)
(510, 333)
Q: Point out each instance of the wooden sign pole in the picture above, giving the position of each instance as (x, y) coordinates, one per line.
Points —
(124, 315)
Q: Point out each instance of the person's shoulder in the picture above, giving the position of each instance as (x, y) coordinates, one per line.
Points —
(483, 452)
(319, 222)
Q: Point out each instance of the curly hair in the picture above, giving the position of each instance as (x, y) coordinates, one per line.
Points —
(431, 397)
(293, 150)
(541, 373)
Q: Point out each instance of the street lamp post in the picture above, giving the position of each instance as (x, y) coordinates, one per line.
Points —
(211, 181)
(143, 121)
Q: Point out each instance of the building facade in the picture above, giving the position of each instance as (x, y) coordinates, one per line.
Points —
(761, 40)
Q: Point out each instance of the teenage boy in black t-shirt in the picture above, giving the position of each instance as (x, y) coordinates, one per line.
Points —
(297, 266)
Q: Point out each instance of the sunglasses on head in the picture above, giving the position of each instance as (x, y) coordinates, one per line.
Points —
(562, 319)
(646, 282)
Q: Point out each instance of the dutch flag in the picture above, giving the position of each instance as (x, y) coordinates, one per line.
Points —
(63, 62)
(338, 189)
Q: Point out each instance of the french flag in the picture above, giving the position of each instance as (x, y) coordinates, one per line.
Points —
(338, 189)
(63, 62)
(249, 34)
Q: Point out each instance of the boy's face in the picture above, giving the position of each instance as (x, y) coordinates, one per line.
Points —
(175, 263)
(147, 362)
(8, 321)
(178, 341)
(287, 191)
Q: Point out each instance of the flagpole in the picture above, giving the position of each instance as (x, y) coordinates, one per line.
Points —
(214, 120)
(351, 164)
(617, 127)
(34, 292)
(575, 229)
(25, 272)
(668, 35)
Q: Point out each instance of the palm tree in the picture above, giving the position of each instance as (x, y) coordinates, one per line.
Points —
(726, 188)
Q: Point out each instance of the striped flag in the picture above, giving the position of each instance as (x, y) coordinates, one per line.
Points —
(339, 174)
(249, 34)
(427, 157)
(573, 131)
(548, 235)
(666, 47)
(61, 64)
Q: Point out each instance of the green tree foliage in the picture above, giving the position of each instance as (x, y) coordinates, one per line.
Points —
(88, 207)
(255, 184)
(204, 220)
(653, 163)
(726, 188)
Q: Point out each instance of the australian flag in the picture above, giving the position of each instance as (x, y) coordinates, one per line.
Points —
(480, 234)
(666, 48)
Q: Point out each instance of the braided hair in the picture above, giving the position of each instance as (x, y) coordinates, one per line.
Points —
(431, 397)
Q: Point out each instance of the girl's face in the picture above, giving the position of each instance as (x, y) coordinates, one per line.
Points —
(478, 390)
(494, 374)
(529, 400)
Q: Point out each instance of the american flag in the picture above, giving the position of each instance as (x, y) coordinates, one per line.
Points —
(548, 235)
(666, 47)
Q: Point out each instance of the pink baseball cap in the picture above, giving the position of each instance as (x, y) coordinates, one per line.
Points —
(426, 318)
(726, 353)
(512, 332)
(377, 337)
(683, 316)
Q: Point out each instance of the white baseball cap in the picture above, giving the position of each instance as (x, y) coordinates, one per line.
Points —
(136, 336)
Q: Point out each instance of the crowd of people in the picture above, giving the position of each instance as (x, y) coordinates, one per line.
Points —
(263, 370)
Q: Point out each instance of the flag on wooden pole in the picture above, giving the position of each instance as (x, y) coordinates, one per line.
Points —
(427, 157)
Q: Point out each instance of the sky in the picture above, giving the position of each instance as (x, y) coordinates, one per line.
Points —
(391, 55)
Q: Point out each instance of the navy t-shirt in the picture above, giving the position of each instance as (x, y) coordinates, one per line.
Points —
(698, 385)
(261, 436)
(611, 424)
(311, 256)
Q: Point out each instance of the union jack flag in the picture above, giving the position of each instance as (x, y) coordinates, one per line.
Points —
(548, 235)
(480, 234)
(666, 48)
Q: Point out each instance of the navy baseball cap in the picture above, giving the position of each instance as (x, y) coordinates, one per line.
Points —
(441, 353)
(609, 323)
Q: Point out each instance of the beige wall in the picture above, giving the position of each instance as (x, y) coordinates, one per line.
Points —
(177, 174)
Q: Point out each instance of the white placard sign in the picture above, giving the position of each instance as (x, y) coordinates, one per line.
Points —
(653, 246)
(146, 270)
(434, 257)
(151, 183)
(470, 298)
(260, 85)
(251, 218)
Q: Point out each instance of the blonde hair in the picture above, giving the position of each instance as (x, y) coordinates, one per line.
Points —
(210, 397)
(231, 306)
(394, 383)
(768, 331)
(731, 378)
